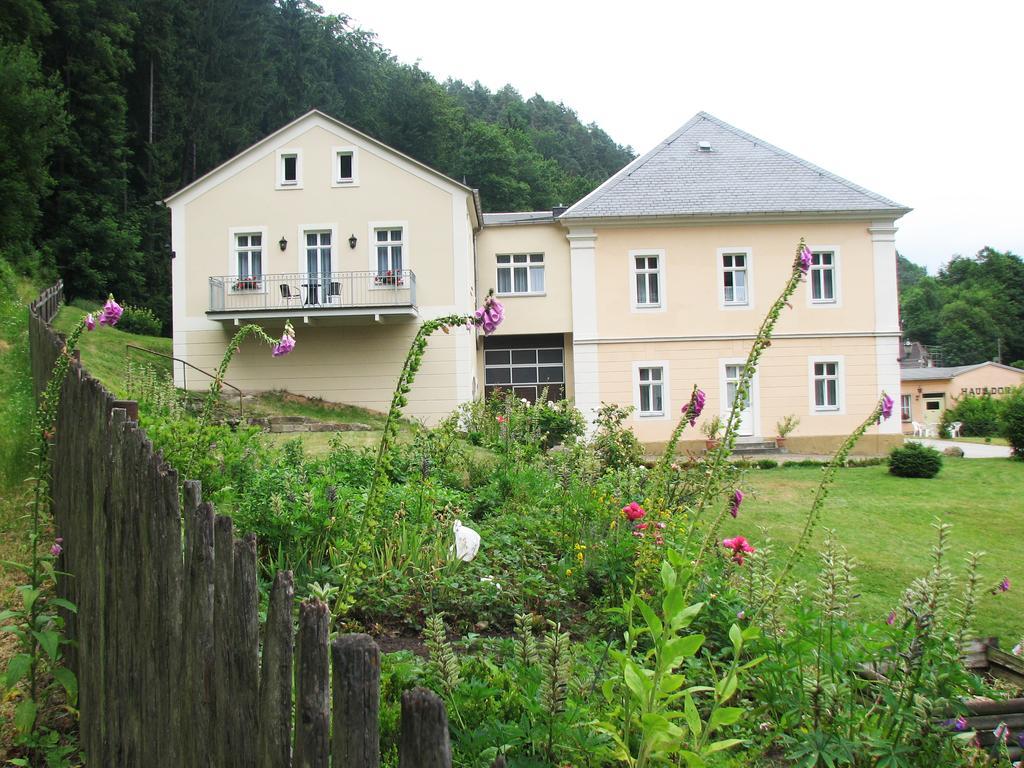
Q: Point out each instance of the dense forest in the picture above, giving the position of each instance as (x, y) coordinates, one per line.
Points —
(110, 105)
(972, 311)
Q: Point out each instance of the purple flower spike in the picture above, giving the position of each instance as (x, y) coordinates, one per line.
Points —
(891, 618)
(805, 259)
(1004, 585)
(90, 323)
(287, 342)
(887, 404)
(490, 315)
(693, 408)
(111, 312)
(960, 723)
(56, 549)
(737, 499)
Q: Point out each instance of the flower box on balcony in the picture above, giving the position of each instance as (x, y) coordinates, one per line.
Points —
(247, 284)
(388, 278)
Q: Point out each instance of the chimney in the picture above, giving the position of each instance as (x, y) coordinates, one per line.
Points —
(558, 210)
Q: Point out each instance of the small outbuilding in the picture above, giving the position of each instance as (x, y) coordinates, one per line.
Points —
(926, 393)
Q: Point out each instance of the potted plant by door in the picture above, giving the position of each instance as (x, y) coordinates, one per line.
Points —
(712, 429)
(784, 427)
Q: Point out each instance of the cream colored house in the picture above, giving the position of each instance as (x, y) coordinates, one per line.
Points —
(927, 392)
(656, 281)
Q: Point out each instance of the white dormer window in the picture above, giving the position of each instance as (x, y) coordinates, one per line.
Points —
(345, 167)
(289, 169)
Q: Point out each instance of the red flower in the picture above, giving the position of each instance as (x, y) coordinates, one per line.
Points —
(633, 511)
(739, 546)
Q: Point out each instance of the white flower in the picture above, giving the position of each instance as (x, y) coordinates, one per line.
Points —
(490, 580)
(1018, 649)
(525, 401)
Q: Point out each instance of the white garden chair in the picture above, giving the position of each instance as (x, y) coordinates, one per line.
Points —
(954, 428)
(920, 430)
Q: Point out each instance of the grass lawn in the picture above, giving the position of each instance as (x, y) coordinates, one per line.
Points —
(885, 523)
(979, 440)
(104, 353)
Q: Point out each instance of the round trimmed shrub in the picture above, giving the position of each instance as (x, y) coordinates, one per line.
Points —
(1013, 420)
(915, 460)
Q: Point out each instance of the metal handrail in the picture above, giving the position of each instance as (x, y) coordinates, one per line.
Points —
(312, 291)
(184, 363)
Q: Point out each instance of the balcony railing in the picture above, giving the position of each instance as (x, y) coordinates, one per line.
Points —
(304, 291)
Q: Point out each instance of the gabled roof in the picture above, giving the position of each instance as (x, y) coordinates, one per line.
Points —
(931, 374)
(518, 217)
(264, 144)
(740, 174)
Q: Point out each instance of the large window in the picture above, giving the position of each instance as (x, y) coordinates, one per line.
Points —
(735, 282)
(520, 273)
(526, 370)
(905, 407)
(826, 385)
(249, 254)
(822, 277)
(647, 281)
(389, 244)
(651, 381)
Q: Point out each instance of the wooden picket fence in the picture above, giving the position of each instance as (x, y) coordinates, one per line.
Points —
(174, 667)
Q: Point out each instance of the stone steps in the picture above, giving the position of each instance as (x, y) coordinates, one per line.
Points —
(279, 424)
(744, 447)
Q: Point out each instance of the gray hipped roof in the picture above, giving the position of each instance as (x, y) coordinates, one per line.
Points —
(932, 374)
(739, 175)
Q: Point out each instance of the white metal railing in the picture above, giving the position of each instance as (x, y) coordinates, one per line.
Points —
(312, 291)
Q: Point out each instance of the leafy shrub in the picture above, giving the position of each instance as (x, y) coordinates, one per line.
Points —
(616, 445)
(141, 321)
(915, 460)
(1013, 421)
(767, 464)
(981, 416)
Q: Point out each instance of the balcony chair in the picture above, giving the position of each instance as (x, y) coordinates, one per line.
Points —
(289, 294)
(334, 292)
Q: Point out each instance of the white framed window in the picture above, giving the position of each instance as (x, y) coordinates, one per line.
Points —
(520, 273)
(344, 167)
(905, 414)
(246, 258)
(650, 389)
(823, 276)
(389, 247)
(734, 277)
(826, 380)
(647, 280)
(289, 169)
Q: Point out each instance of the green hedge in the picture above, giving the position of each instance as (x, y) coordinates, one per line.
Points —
(1013, 421)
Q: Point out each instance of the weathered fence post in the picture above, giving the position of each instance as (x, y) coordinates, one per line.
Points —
(274, 749)
(424, 742)
(223, 690)
(199, 625)
(356, 702)
(245, 629)
(312, 677)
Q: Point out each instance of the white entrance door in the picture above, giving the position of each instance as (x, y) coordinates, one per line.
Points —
(318, 267)
(732, 378)
(934, 405)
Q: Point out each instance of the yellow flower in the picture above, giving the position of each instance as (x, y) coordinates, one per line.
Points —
(579, 556)
(568, 571)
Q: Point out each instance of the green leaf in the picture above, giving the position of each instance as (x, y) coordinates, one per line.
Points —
(639, 685)
(685, 617)
(28, 596)
(5, 615)
(25, 715)
(67, 605)
(724, 716)
(693, 760)
(608, 689)
(68, 681)
(692, 716)
(736, 636)
(727, 687)
(672, 605)
(670, 683)
(718, 746)
(668, 576)
(50, 642)
(654, 624)
(17, 668)
(679, 648)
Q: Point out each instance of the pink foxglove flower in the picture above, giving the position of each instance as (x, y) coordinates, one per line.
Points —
(287, 342)
(490, 315)
(56, 549)
(633, 511)
(960, 723)
(737, 499)
(693, 408)
(111, 312)
(891, 618)
(1001, 732)
(887, 404)
(90, 322)
(1002, 586)
(805, 259)
(739, 546)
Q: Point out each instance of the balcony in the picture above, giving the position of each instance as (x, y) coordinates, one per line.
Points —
(307, 295)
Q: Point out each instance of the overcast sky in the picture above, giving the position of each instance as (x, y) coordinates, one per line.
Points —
(922, 102)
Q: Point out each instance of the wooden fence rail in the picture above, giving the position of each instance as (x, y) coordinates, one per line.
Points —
(173, 665)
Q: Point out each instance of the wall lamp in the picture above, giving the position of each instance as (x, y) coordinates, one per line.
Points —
(352, 242)
(282, 243)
